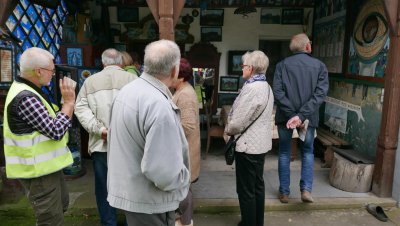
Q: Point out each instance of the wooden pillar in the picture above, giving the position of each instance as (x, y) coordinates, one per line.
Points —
(388, 136)
(166, 14)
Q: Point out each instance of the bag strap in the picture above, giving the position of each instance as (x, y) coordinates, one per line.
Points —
(251, 124)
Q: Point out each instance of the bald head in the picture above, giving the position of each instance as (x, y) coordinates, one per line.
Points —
(300, 43)
(33, 58)
(160, 57)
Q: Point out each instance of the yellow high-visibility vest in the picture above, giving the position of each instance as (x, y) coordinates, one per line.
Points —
(32, 155)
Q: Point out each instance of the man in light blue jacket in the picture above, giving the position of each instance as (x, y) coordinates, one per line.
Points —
(148, 153)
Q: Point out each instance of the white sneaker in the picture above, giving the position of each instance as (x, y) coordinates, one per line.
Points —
(179, 223)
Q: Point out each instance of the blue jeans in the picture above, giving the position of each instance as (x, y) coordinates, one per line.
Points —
(307, 159)
(108, 215)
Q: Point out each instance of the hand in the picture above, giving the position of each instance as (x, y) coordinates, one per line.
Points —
(67, 91)
(293, 122)
(104, 134)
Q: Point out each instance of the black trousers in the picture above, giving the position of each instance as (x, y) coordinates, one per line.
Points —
(156, 219)
(250, 188)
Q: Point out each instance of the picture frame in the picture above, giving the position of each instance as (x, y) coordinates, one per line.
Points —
(115, 29)
(6, 66)
(74, 56)
(234, 62)
(85, 72)
(61, 72)
(229, 84)
(212, 17)
(292, 16)
(270, 16)
(211, 34)
(226, 99)
(127, 14)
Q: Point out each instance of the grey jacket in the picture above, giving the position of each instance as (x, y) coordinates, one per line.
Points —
(300, 86)
(251, 102)
(148, 162)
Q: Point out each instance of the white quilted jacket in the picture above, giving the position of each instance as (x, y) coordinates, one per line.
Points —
(250, 103)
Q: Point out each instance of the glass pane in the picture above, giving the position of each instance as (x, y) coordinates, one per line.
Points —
(26, 44)
(58, 59)
(60, 29)
(60, 12)
(64, 6)
(32, 14)
(18, 12)
(57, 41)
(46, 39)
(26, 24)
(53, 50)
(50, 11)
(55, 20)
(24, 3)
(11, 22)
(45, 17)
(39, 27)
(19, 33)
(51, 30)
(41, 45)
(33, 36)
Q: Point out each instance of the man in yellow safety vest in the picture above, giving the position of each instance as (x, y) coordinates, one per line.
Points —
(35, 136)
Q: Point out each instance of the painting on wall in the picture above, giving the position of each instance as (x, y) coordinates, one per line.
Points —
(211, 34)
(329, 34)
(369, 42)
(270, 16)
(229, 83)
(292, 16)
(234, 62)
(74, 56)
(86, 72)
(212, 17)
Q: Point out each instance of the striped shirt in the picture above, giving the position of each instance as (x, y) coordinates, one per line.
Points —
(36, 115)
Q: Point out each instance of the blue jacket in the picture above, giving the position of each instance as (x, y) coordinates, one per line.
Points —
(300, 86)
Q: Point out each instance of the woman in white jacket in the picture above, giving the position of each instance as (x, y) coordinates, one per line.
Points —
(255, 102)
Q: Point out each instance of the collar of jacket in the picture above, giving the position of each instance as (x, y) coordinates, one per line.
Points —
(113, 67)
(33, 86)
(157, 84)
(295, 53)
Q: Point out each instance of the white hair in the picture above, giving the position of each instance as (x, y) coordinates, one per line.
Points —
(111, 57)
(160, 57)
(34, 58)
(258, 60)
(298, 43)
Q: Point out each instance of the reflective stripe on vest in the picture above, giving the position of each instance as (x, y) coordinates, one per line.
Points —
(37, 159)
(25, 143)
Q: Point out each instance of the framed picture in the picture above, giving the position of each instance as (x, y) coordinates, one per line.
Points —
(212, 17)
(6, 66)
(234, 62)
(127, 14)
(115, 29)
(211, 34)
(292, 16)
(86, 72)
(74, 56)
(226, 99)
(270, 16)
(120, 46)
(229, 83)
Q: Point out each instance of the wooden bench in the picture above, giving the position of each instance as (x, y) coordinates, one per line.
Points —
(324, 141)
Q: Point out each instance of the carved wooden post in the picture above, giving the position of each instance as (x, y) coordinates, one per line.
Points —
(166, 14)
(388, 136)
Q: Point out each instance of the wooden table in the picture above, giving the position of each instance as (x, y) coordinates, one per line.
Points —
(224, 118)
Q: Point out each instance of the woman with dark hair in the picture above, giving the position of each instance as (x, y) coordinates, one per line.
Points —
(186, 99)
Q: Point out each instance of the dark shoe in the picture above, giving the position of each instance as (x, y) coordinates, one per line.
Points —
(377, 212)
(283, 198)
(306, 197)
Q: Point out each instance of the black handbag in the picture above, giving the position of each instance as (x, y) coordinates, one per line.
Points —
(230, 147)
(230, 150)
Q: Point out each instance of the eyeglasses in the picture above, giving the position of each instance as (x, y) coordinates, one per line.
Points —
(310, 42)
(52, 70)
(244, 65)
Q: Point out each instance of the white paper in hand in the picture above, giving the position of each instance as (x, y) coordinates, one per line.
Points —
(303, 131)
(70, 82)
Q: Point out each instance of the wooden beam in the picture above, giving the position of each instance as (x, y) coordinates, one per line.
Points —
(392, 7)
(6, 8)
(389, 131)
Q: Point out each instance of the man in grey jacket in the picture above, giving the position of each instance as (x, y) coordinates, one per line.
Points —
(148, 153)
(300, 86)
(93, 107)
